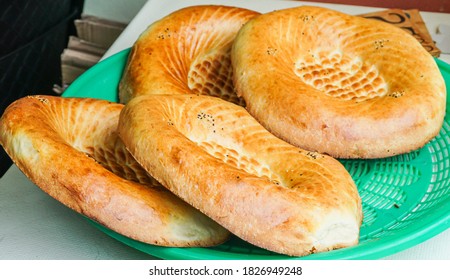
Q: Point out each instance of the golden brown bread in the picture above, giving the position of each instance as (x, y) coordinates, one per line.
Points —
(338, 84)
(187, 51)
(218, 158)
(69, 147)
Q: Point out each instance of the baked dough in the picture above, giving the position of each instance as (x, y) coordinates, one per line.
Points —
(218, 158)
(186, 51)
(69, 148)
(338, 84)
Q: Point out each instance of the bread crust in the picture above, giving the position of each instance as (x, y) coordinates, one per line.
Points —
(219, 159)
(186, 51)
(70, 149)
(338, 84)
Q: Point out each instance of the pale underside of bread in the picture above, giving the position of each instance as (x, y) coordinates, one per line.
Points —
(338, 84)
(219, 159)
(187, 51)
(69, 148)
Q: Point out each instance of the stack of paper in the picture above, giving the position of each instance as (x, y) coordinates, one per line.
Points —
(94, 36)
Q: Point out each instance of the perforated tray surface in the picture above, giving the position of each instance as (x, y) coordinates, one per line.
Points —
(406, 198)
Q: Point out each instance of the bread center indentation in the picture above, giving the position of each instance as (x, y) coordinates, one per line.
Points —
(341, 76)
(238, 160)
(212, 75)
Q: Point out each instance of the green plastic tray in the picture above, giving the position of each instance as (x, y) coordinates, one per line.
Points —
(406, 198)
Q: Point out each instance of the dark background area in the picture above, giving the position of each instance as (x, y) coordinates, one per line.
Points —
(33, 34)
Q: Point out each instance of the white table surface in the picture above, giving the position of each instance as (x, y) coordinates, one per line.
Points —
(35, 226)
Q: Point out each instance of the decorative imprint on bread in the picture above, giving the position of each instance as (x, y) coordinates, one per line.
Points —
(212, 75)
(121, 163)
(341, 76)
(240, 161)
